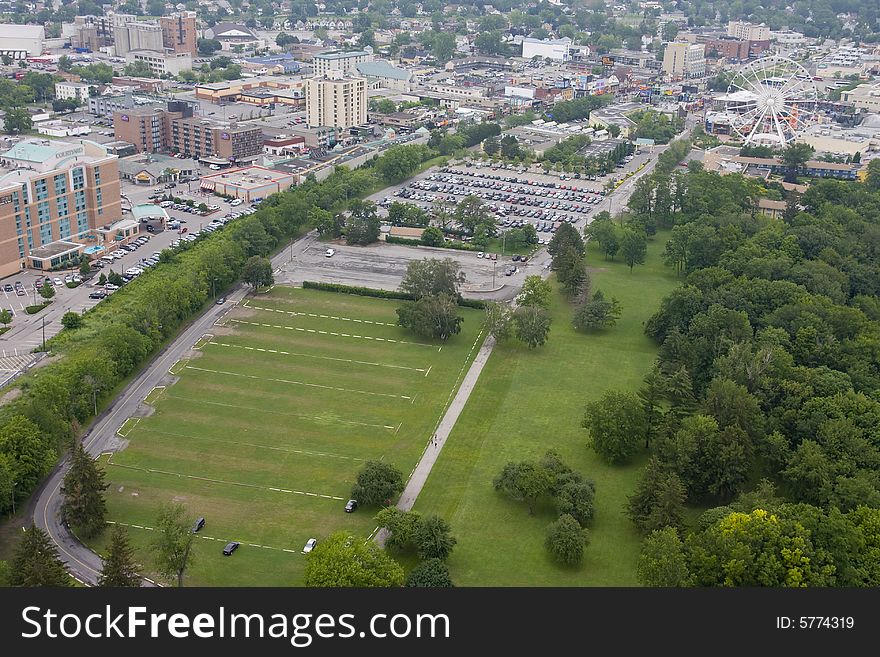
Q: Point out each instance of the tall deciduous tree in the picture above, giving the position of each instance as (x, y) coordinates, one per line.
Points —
(663, 561)
(344, 560)
(531, 325)
(633, 247)
(172, 545)
(378, 483)
(433, 538)
(525, 481)
(597, 313)
(257, 272)
(84, 505)
(36, 562)
(535, 292)
(434, 316)
(566, 540)
(432, 276)
(616, 422)
(433, 573)
(120, 568)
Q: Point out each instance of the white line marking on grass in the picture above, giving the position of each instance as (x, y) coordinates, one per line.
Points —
(236, 442)
(338, 360)
(210, 480)
(334, 317)
(297, 383)
(264, 410)
(317, 332)
(429, 370)
(206, 538)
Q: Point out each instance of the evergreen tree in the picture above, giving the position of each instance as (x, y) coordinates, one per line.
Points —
(84, 506)
(119, 566)
(36, 561)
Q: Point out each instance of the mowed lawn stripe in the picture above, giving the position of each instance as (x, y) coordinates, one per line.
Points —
(296, 382)
(226, 423)
(331, 332)
(240, 463)
(340, 305)
(294, 354)
(262, 394)
(352, 376)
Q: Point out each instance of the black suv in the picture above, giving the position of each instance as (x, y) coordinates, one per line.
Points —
(350, 506)
(198, 525)
(230, 548)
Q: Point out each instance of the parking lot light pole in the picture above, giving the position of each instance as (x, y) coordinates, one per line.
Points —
(44, 333)
(494, 264)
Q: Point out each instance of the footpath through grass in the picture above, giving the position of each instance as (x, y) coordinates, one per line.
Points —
(529, 401)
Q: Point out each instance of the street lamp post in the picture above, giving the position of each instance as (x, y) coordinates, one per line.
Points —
(44, 333)
(494, 263)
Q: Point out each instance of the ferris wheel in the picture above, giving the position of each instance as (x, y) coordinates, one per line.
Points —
(770, 101)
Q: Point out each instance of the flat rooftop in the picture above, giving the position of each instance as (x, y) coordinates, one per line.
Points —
(248, 178)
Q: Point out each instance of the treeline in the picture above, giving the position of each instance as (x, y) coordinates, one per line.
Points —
(574, 110)
(122, 332)
(767, 367)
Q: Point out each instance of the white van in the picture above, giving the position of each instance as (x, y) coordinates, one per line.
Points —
(108, 258)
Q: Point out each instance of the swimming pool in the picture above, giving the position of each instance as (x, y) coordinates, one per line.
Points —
(91, 250)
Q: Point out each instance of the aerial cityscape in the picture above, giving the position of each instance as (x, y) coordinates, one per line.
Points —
(384, 293)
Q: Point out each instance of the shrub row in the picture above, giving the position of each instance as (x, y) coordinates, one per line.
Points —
(380, 294)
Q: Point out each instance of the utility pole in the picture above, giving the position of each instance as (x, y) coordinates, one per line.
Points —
(494, 263)
(44, 333)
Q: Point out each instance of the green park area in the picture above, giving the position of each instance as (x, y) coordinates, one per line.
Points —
(529, 401)
(267, 425)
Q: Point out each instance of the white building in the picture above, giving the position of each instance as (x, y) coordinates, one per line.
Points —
(69, 90)
(336, 101)
(748, 31)
(387, 76)
(684, 61)
(789, 39)
(161, 63)
(22, 41)
(136, 35)
(342, 61)
(547, 48)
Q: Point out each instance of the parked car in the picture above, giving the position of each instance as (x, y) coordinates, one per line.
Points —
(230, 548)
(7, 288)
(198, 525)
(329, 253)
(220, 301)
(97, 294)
(310, 545)
(350, 506)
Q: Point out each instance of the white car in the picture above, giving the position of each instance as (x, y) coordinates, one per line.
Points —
(329, 253)
(235, 202)
(58, 281)
(310, 545)
(480, 254)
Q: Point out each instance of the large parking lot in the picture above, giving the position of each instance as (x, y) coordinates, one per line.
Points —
(516, 196)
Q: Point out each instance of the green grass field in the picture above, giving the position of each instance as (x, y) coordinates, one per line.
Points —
(529, 401)
(264, 432)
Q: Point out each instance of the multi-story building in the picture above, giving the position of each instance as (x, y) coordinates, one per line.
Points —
(202, 138)
(386, 76)
(342, 61)
(161, 62)
(179, 32)
(748, 31)
(145, 127)
(106, 105)
(52, 195)
(72, 90)
(684, 61)
(136, 35)
(176, 129)
(333, 100)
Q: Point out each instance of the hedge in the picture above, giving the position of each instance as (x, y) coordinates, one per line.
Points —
(380, 294)
(34, 309)
(455, 246)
